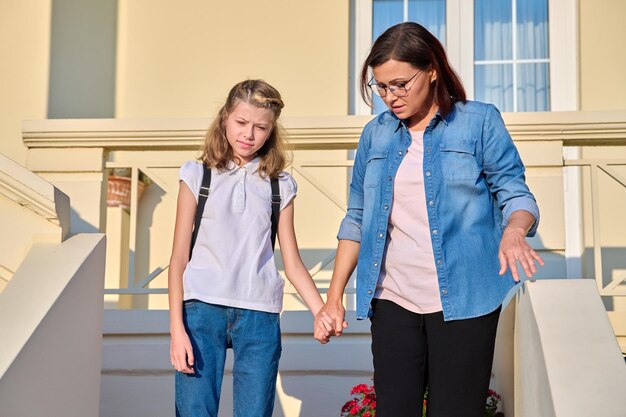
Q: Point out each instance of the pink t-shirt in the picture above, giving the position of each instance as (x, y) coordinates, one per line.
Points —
(408, 276)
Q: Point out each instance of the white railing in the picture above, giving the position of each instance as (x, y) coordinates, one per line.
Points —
(321, 145)
(596, 168)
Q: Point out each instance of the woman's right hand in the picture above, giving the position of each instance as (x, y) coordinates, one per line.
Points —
(337, 314)
(345, 262)
(181, 352)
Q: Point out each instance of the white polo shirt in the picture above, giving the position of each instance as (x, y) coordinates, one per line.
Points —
(232, 263)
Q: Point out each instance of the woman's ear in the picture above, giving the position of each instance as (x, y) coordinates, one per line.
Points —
(433, 76)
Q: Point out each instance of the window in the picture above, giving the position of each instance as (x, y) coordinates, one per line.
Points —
(506, 52)
(429, 13)
(511, 58)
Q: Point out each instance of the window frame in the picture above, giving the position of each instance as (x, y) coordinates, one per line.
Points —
(563, 46)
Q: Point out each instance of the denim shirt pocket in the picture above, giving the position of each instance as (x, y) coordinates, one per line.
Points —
(458, 159)
(374, 168)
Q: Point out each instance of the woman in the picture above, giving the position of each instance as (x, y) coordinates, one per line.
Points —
(437, 218)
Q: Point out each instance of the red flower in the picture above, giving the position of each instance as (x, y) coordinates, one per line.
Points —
(363, 402)
(347, 406)
(359, 389)
(492, 393)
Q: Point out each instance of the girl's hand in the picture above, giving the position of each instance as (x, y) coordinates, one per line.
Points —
(335, 317)
(181, 352)
(323, 327)
(513, 249)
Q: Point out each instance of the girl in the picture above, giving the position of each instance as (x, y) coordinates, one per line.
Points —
(229, 294)
(437, 216)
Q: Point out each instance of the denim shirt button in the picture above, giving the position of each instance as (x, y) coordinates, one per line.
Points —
(428, 173)
(375, 263)
(389, 178)
(435, 232)
(380, 235)
(386, 207)
(369, 291)
(439, 262)
(399, 152)
(431, 203)
(444, 291)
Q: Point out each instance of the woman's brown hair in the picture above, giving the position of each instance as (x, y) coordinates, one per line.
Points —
(411, 43)
(216, 151)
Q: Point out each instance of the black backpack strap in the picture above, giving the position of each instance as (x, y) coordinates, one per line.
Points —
(205, 190)
(275, 209)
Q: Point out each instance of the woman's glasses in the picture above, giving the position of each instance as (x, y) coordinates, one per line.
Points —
(398, 90)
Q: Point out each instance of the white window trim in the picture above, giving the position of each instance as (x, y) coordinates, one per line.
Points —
(563, 46)
(460, 47)
(564, 96)
(361, 42)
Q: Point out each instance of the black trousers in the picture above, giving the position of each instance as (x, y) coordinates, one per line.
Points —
(414, 351)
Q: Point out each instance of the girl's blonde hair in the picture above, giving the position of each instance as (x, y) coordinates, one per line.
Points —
(216, 151)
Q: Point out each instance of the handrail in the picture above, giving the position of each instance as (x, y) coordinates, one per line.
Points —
(580, 128)
(535, 131)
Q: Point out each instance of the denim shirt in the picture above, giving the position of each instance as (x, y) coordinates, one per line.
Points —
(473, 179)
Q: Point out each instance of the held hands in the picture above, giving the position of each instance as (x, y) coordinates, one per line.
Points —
(181, 352)
(513, 249)
(329, 321)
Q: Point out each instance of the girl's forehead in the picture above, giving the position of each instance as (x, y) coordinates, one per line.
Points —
(252, 112)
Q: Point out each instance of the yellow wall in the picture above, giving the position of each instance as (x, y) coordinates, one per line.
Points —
(602, 54)
(24, 53)
(603, 87)
(179, 59)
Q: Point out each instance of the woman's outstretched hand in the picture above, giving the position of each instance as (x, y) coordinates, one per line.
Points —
(514, 247)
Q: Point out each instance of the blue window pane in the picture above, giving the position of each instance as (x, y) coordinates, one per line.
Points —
(386, 14)
(379, 105)
(494, 84)
(493, 36)
(533, 87)
(532, 29)
(431, 14)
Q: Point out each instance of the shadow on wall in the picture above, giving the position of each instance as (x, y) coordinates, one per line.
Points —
(322, 395)
(613, 268)
(80, 225)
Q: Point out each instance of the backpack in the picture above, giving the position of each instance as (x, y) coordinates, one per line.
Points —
(205, 190)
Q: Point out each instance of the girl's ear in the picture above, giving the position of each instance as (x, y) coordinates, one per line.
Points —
(433, 76)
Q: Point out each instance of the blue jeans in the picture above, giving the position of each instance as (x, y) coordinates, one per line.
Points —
(254, 337)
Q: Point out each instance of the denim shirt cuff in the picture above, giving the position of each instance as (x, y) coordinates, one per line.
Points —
(521, 203)
(349, 230)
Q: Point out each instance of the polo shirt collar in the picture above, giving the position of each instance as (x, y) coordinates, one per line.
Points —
(251, 167)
